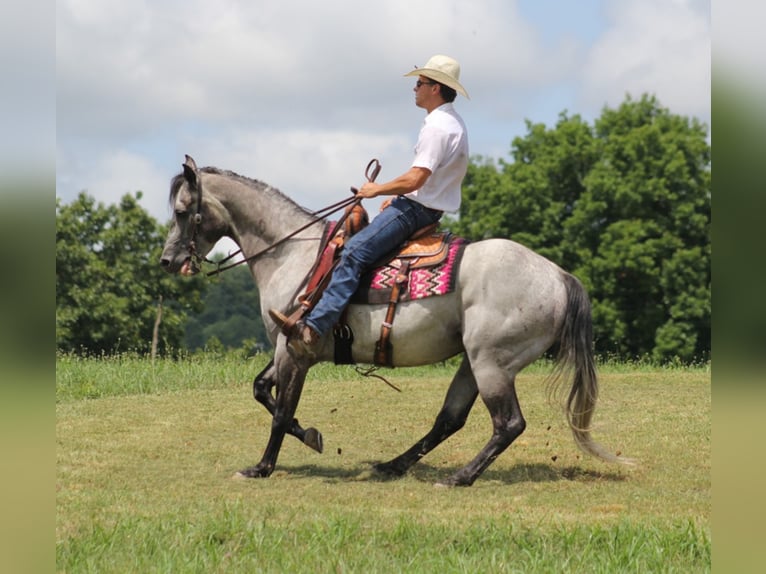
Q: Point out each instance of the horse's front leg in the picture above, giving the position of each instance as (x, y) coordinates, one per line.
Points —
(291, 375)
(262, 385)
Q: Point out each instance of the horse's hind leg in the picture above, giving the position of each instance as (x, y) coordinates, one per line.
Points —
(460, 398)
(262, 385)
(498, 391)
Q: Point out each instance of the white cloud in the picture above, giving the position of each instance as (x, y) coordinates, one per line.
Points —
(314, 167)
(124, 67)
(652, 46)
(301, 94)
(117, 172)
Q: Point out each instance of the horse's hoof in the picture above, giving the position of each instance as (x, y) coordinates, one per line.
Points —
(313, 439)
(251, 472)
(452, 482)
(366, 475)
(388, 470)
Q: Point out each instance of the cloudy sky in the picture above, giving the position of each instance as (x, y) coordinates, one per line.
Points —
(301, 94)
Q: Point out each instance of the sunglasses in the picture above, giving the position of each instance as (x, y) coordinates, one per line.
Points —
(422, 83)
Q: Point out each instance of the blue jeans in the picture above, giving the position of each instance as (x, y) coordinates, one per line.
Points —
(387, 231)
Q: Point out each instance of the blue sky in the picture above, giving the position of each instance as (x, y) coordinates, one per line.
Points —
(302, 94)
(583, 19)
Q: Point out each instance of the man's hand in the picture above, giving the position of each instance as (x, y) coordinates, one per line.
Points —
(369, 190)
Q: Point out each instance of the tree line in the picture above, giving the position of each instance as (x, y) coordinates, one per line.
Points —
(111, 292)
(624, 204)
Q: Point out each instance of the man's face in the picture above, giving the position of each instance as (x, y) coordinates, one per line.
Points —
(426, 90)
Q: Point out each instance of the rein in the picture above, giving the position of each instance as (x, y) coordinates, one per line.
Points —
(319, 215)
(329, 209)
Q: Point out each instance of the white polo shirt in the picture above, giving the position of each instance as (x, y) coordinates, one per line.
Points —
(442, 148)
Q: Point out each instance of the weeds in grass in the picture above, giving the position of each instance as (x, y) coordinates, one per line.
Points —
(145, 453)
(87, 377)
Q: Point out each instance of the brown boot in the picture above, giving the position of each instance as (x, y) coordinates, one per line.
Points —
(303, 339)
(281, 320)
(300, 337)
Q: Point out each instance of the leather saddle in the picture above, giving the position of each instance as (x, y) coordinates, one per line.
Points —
(426, 248)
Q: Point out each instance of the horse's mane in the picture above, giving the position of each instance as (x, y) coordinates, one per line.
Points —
(178, 181)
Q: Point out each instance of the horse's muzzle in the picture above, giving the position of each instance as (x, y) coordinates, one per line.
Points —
(184, 267)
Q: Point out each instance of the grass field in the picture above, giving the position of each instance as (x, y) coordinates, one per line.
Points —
(146, 454)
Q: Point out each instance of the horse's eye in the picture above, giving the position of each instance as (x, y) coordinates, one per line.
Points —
(180, 213)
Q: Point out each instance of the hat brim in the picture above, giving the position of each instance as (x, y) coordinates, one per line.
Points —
(441, 77)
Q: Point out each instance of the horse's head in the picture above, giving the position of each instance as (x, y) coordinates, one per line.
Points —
(197, 224)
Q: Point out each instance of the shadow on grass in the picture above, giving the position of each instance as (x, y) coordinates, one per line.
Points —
(521, 473)
(517, 474)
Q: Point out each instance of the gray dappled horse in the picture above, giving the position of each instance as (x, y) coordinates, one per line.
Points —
(509, 306)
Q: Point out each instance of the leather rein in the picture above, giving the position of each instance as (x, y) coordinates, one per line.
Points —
(372, 171)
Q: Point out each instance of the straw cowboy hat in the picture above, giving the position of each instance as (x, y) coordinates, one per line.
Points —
(444, 70)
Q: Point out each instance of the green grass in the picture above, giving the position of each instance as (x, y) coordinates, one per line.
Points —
(146, 452)
(232, 540)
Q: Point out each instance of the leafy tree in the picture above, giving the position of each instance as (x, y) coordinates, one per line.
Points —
(231, 315)
(527, 199)
(109, 281)
(625, 206)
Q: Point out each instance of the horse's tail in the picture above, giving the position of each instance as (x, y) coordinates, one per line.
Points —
(575, 357)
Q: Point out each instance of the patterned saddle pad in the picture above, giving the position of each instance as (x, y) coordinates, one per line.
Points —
(376, 285)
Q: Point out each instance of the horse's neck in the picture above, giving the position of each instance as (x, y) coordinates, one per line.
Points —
(259, 217)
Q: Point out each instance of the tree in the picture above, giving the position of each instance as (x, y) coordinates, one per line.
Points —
(231, 315)
(625, 206)
(528, 198)
(109, 281)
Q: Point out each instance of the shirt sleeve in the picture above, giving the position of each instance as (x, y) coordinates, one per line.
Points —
(431, 148)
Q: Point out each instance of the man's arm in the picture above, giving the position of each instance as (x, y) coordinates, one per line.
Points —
(405, 183)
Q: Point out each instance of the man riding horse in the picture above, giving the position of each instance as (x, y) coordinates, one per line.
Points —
(507, 306)
(429, 188)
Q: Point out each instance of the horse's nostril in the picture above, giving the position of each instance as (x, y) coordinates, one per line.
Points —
(164, 262)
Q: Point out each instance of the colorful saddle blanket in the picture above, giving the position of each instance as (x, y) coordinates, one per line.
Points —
(426, 281)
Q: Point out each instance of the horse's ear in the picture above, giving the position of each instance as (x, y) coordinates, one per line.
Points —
(190, 171)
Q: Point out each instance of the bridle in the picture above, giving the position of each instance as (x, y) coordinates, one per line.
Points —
(196, 259)
(371, 172)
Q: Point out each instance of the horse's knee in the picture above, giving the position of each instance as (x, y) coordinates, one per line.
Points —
(263, 383)
(507, 420)
(512, 428)
(260, 392)
(449, 423)
(518, 425)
